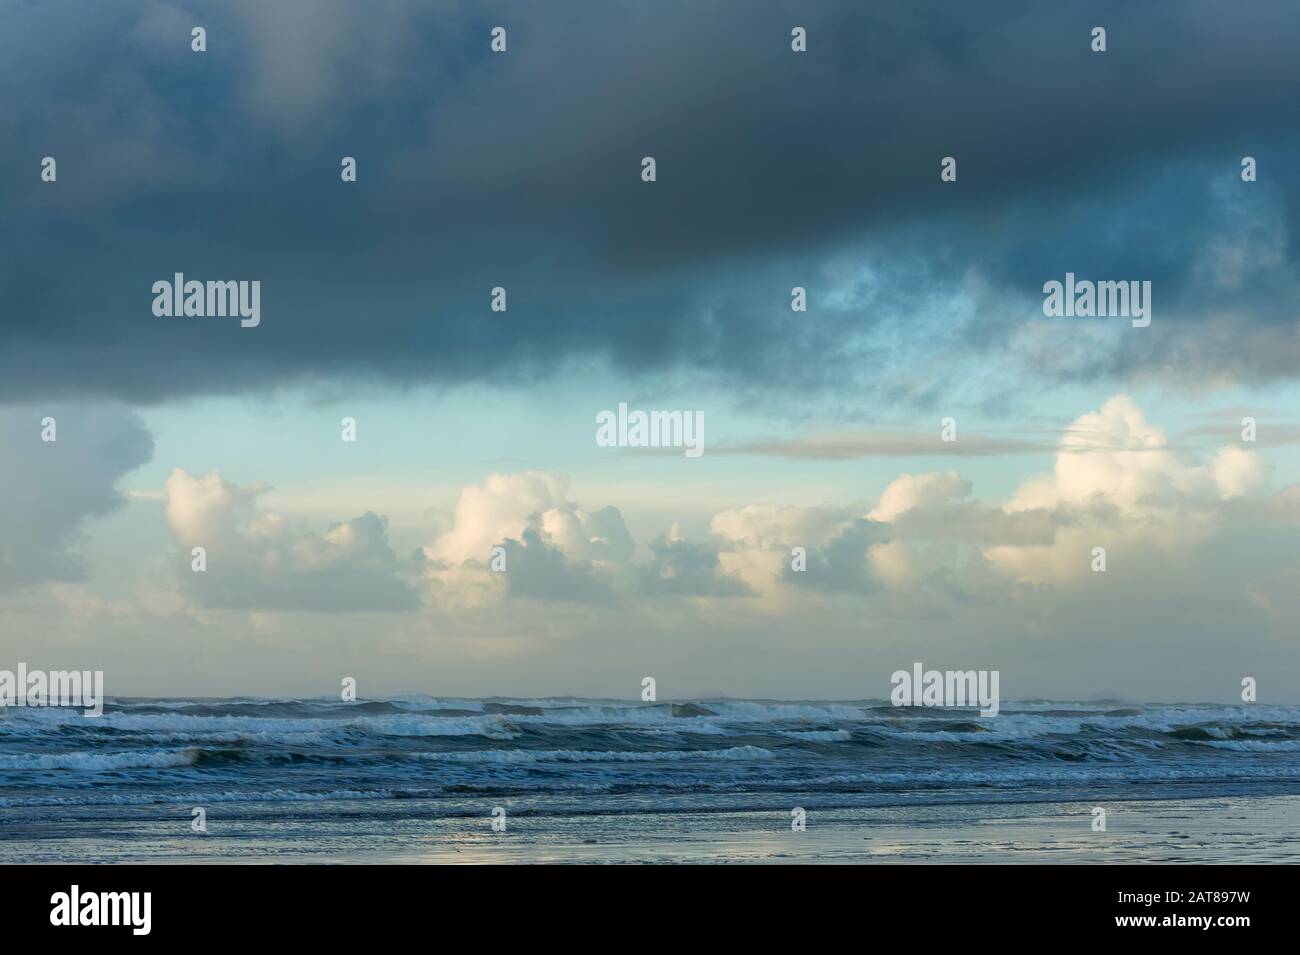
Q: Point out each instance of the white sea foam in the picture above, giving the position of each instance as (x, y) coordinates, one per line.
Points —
(99, 762)
(512, 756)
(1253, 745)
(201, 726)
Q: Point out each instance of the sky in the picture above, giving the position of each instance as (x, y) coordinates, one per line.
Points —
(823, 430)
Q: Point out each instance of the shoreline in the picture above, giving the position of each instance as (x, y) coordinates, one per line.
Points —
(1209, 830)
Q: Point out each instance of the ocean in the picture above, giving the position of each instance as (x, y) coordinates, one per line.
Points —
(418, 778)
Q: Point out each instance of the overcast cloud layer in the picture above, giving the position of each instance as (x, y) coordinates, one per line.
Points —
(522, 171)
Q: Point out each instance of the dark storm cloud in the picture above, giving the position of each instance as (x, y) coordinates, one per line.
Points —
(521, 170)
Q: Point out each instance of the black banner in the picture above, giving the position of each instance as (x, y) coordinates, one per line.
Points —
(336, 903)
